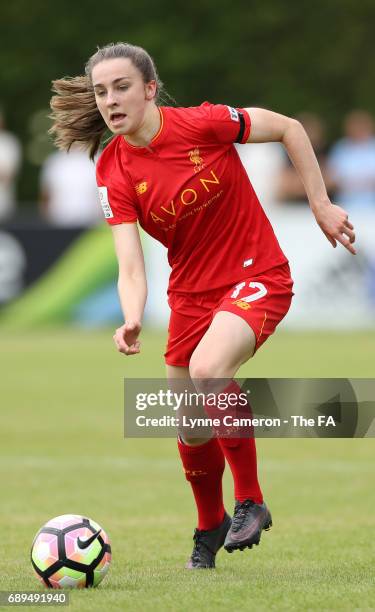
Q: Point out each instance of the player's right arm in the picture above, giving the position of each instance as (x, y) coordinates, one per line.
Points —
(132, 286)
(267, 126)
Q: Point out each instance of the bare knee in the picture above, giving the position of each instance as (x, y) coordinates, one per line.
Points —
(202, 373)
(208, 376)
(201, 369)
(208, 365)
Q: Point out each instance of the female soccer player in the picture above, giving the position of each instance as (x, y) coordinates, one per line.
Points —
(176, 172)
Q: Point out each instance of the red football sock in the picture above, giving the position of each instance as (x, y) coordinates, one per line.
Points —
(241, 456)
(204, 467)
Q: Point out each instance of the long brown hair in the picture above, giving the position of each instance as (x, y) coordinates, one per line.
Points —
(75, 115)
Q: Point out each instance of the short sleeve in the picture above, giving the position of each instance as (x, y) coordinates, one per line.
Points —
(116, 197)
(226, 124)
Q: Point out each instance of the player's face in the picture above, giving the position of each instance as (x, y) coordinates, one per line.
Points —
(121, 94)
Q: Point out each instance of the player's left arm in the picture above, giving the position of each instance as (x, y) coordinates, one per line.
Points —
(267, 126)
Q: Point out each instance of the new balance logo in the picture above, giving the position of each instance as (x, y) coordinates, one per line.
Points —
(141, 188)
(242, 304)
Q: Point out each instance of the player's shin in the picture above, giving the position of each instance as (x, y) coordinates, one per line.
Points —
(235, 436)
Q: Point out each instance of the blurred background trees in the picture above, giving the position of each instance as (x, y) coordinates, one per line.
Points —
(288, 56)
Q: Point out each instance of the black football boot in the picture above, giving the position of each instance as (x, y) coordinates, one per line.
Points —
(249, 519)
(206, 545)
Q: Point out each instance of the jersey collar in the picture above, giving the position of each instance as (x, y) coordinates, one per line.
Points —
(155, 142)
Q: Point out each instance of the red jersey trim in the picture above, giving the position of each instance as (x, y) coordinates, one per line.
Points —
(118, 222)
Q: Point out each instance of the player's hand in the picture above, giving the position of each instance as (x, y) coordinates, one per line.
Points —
(126, 338)
(335, 224)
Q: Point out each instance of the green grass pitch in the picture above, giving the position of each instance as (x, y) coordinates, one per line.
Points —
(62, 451)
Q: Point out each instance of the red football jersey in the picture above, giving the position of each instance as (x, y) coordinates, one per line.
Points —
(189, 190)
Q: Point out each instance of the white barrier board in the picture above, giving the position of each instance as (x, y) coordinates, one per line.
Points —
(333, 289)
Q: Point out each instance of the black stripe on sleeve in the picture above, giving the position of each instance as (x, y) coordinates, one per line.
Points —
(242, 128)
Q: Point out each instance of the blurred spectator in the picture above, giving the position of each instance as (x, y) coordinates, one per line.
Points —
(352, 163)
(291, 188)
(69, 195)
(263, 163)
(10, 161)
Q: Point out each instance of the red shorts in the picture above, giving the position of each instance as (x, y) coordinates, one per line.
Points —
(262, 301)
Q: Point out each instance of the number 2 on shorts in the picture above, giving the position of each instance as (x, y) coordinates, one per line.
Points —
(262, 291)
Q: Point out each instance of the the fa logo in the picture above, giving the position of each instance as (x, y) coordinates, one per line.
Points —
(104, 201)
(196, 159)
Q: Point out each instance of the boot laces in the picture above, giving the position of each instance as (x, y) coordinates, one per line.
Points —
(199, 546)
(240, 513)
